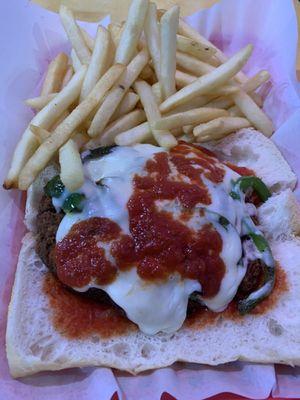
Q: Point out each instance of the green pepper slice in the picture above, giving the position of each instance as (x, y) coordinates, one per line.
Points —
(98, 152)
(54, 187)
(73, 203)
(246, 182)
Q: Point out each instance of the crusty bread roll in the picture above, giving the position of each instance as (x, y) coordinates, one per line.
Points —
(34, 345)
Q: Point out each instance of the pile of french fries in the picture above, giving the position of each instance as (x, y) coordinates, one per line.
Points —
(152, 79)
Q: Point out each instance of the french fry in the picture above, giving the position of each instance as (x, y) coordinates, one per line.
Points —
(186, 30)
(128, 103)
(68, 75)
(156, 89)
(218, 128)
(75, 61)
(183, 79)
(62, 117)
(125, 122)
(187, 138)
(209, 82)
(98, 64)
(192, 64)
(116, 95)
(234, 111)
(256, 97)
(45, 118)
(71, 169)
(257, 80)
(254, 114)
(139, 134)
(132, 31)
(163, 137)
(249, 86)
(116, 30)
(40, 133)
(74, 34)
(152, 35)
(194, 48)
(89, 41)
(55, 74)
(64, 131)
(168, 30)
(192, 117)
(80, 139)
(40, 102)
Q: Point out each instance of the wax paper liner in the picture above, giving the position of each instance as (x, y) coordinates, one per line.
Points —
(30, 38)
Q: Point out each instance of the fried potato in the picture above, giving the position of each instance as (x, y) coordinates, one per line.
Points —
(194, 48)
(219, 128)
(163, 137)
(139, 134)
(192, 64)
(116, 95)
(209, 82)
(152, 35)
(40, 102)
(71, 168)
(124, 123)
(74, 34)
(65, 130)
(68, 75)
(168, 29)
(128, 103)
(132, 31)
(99, 61)
(55, 74)
(89, 41)
(253, 113)
(45, 118)
(192, 117)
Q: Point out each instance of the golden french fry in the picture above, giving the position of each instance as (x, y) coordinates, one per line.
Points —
(116, 95)
(68, 75)
(59, 120)
(234, 111)
(89, 41)
(71, 169)
(76, 64)
(156, 89)
(80, 139)
(192, 117)
(128, 103)
(209, 82)
(40, 102)
(168, 30)
(183, 79)
(254, 114)
(255, 81)
(194, 48)
(218, 128)
(192, 64)
(152, 35)
(186, 30)
(187, 138)
(132, 31)
(55, 74)
(163, 137)
(139, 134)
(74, 34)
(116, 30)
(256, 97)
(40, 133)
(125, 122)
(65, 130)
(45, 118)
(98, 64)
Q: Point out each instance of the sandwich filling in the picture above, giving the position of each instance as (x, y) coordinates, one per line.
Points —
(156, 229)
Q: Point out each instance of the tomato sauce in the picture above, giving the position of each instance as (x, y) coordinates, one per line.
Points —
(77, 317)
(158, 245)
(243, 171)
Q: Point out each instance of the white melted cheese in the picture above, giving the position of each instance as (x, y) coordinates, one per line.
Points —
(156, 307)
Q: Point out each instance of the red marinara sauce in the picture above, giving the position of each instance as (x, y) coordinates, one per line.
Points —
(158, 244)
(243, 171)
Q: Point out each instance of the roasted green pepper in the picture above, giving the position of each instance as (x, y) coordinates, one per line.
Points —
(54, 187)
(73, 203)
(246, 182)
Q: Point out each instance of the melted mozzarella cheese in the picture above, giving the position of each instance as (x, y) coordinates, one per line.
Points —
(155, 307)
